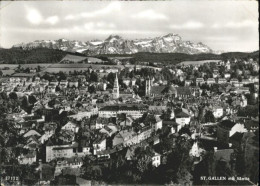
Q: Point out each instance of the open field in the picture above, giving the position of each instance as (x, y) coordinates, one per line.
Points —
(73, 58)
(66, 68)
(198, 62)
(35, 65)
(10, 66)
(7, 72)
(13, 66)
(80, 65)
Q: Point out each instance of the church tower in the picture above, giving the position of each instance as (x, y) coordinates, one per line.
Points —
(148, 87)
(116, 88)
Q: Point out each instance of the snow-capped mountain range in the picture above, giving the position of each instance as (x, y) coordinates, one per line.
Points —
(114, 44)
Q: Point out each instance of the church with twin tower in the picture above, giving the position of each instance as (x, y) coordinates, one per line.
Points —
(116, 88)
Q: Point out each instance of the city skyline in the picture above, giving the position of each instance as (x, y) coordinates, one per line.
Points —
(225, 25)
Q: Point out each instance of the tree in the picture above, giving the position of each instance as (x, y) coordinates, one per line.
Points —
(185, 130)
(91, 89)
(169, 175)
(46, 76)
(3, 96)
(143, 163)
(209, 117)
(166, 145)
(248, 111)
(239, 78)
(143, 160)
(57, 89)
(205, 87)
(13, 95)
(10, 142)
(27, 70)
(19, 67)
(32, 99)
(214, 88)
(93, 77)
(240, 162)
(38, 68)
(51, 103)
(132, 74)
(24, 103)
(62, 76)
(184, 177)
(90, 171)
(167, 115)
(178, 161)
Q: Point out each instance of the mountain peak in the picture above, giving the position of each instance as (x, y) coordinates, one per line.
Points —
(63, 39)
(171, 35)
(115, 44)
(113, 37)
(171, 38)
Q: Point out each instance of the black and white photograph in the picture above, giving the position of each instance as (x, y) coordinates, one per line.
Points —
(129, 92)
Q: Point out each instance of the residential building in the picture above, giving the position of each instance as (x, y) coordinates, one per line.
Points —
(199, 81)
(99, 144)
(71, 127)
(218, 112)
(227, 128)
(135, 111)
(222, 81)
(156, 159)
(211, 81)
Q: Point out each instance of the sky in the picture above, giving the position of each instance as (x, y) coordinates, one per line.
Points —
(222, 25)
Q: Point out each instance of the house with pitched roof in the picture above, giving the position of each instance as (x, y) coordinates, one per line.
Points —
(222, 81)
(182, 117)
(158, 123)
(156, 159)
(218, 111)
(233, 81)
(211, 81)
(31, 133)
(252, 125)
(199, 81)
(56, 149)
(183, 92)
(127, 122)
(109, 129)
(227, 128)
(65, 163)
(188, 82)
(70, 126)
(224, 155)
(126, 138)
(99, 144)
(28, 158)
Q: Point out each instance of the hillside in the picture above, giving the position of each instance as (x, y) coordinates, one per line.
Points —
(73, 58)
(243, 55)
(44, 55)
(38, 55)
(175, 58)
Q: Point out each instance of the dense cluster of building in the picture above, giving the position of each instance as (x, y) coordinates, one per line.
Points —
(69, 122)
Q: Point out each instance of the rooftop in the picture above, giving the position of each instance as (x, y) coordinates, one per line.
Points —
(23, 75)
(122, 107)
(227, 124)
